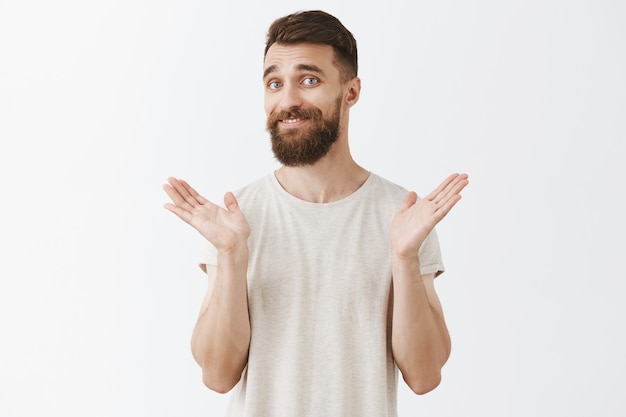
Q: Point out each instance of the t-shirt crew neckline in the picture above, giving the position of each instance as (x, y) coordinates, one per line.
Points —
(285, 194)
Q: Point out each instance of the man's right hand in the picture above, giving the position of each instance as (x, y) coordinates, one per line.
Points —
(226, 228)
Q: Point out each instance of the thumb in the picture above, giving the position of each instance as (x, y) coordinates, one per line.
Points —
(231, 202)
(409, 200)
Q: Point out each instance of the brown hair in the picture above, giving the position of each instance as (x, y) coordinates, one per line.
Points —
(317, 27)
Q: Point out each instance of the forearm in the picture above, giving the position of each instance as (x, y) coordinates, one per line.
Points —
(420, 338)
(221, 337)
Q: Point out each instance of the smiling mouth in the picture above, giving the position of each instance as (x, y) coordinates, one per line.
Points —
(292, 121)
(294, 118)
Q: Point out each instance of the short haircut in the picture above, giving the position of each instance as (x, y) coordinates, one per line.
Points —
(317, 27)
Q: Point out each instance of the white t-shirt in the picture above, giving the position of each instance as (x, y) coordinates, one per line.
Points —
(319, 280)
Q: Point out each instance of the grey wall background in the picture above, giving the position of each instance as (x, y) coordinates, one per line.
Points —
(101, 101)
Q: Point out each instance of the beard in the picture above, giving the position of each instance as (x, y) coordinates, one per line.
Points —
(304, 146)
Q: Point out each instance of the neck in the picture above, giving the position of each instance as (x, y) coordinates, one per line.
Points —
(330, 179)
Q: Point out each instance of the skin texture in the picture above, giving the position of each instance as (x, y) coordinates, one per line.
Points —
(420, 339)
(221, 337)
(299, 78)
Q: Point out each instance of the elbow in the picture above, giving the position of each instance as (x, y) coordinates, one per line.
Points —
(220, 377)
(425, 375)
(422, 380)
(217, 383)
(424, 384)
(220, 374)
(422, 376)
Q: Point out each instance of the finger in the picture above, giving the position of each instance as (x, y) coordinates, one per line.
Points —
(193, 193)
(184, 190)
(183, 214)
(443, 211)
(230, 201)
(452, 196)
(184, 198)
(174, 194)
(452, 188)
(437, 191)
(455, 187)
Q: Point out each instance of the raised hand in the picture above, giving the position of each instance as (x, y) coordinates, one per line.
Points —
(226, 228)
(416, 218)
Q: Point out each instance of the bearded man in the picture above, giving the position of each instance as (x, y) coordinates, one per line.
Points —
(321, 274)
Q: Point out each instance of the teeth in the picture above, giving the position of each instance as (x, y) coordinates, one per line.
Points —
(291, 120)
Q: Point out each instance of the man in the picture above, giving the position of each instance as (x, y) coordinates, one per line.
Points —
(320, 274)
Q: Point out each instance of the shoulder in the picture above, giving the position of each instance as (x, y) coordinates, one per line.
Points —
(384, 188)
(386, 184)
(259, 195)
(260, 185)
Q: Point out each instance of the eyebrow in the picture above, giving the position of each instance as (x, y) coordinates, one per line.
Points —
(299, 67)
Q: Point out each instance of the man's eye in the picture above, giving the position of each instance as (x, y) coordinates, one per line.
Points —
(274, 85)
(310, 81)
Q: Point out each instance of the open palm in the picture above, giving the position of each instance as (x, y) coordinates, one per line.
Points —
(417, 217)
(226, 228)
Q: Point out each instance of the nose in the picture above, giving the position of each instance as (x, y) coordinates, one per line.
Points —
(290, 97)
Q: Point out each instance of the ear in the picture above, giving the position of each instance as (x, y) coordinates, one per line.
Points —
(354, 91)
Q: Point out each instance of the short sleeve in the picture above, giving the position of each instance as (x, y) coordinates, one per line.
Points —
(430, 256)
(208, 256)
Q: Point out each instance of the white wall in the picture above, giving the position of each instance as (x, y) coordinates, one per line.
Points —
(101, 101)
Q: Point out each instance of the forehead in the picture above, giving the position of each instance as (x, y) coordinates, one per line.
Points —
(284, 58)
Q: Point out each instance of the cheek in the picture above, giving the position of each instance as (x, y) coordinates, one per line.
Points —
(268, 104)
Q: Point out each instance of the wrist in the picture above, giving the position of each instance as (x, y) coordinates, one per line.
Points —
(235, 255)
(405, 264)
(407, 255)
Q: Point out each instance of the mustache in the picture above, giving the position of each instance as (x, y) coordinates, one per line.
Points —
(274, 118)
